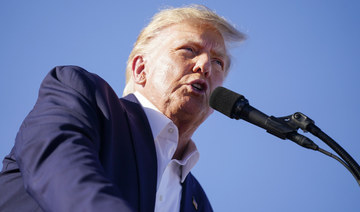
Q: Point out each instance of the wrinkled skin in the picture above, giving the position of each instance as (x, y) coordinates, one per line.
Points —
(183, 65)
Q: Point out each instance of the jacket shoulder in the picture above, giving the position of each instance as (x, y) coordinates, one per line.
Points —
(76, 78)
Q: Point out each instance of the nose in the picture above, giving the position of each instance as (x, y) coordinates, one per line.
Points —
(203, 64)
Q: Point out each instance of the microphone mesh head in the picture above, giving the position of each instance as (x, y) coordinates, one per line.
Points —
(223, 100)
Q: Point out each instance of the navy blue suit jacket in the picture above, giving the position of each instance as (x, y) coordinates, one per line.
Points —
(82, 148)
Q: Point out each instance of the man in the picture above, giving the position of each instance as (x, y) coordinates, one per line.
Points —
(83, 149)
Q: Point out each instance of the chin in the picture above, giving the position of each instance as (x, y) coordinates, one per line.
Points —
(198, 111)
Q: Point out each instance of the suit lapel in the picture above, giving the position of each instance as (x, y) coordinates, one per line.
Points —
(187, 196)
(145, 152)
(193, 196)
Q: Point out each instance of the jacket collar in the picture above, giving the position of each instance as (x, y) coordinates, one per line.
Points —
(145, 152)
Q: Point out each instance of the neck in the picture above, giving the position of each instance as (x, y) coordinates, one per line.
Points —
(186, 131)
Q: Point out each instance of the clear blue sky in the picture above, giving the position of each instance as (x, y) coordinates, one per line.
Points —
(299, 56)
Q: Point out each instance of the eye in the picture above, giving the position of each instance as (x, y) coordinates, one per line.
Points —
(189, 49)
(219, 62)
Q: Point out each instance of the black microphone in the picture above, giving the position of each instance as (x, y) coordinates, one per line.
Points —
(236, 106)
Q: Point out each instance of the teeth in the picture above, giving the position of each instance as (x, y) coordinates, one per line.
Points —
(197, 86)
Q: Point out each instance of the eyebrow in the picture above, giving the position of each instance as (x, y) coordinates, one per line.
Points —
(214, 51)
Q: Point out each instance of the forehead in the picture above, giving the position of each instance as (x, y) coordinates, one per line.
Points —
(193, 32)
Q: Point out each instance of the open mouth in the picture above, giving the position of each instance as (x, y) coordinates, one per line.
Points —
(199, 86)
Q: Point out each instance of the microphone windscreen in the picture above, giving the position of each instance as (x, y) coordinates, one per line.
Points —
(223, 100)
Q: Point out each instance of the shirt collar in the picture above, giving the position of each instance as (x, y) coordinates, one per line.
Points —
(190, 158)
(158, 122)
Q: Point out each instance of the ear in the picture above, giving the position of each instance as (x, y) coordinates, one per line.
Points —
(138, 67)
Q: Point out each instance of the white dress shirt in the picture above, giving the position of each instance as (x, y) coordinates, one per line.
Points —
(171, 172)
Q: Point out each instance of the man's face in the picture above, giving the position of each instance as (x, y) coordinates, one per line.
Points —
(184, 65)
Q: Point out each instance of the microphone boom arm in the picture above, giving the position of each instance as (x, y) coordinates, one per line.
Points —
(236, 106)
(283, 127)
(299, 120)
(286, 128)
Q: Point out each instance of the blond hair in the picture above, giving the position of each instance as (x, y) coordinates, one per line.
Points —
(170, 16)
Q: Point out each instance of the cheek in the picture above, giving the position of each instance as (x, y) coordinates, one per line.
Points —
(168, 71)
(159, 80)
(171, 72)
(217, 80)
(162, 77)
